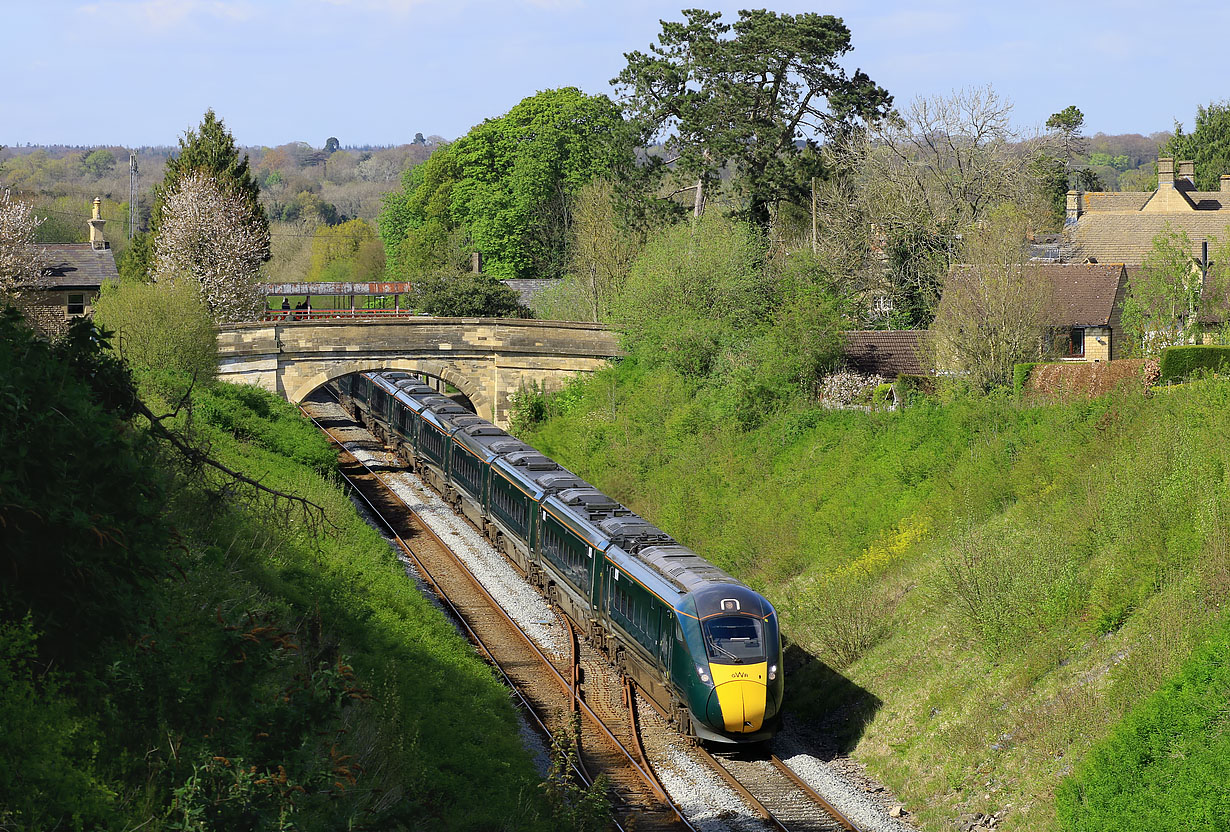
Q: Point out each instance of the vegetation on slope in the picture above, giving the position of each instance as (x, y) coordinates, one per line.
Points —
(179, 654)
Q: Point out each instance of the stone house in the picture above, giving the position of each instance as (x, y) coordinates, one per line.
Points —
(75, 275)
(1083, 306)
(1119, 227)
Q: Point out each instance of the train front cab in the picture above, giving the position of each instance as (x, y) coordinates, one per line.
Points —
(732, 634)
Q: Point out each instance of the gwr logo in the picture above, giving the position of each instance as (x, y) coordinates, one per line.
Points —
(738, 675)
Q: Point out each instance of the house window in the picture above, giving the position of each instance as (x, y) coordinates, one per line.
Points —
(76, 304)
(1076, 343)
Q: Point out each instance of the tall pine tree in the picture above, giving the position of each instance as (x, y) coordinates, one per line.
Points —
(210, 150)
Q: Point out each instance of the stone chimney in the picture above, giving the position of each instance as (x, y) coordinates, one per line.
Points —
(476, 262)
(1073, 212)
(1225, 183)
(97, 241)
(1187, 170)
(1165, 173)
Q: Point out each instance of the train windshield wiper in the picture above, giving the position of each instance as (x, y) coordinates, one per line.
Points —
(717, 646)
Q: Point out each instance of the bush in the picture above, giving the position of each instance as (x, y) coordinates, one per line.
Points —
(910, 388)
(1020, 376)
(160, 326)
(1167, 764)
(1180, 363)
(467, 295)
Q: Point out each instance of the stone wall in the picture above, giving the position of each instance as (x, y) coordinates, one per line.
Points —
(486, 359)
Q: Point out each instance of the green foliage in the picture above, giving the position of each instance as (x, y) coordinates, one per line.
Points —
(1069, 121)
(1167, 297)
(1020, 376)
(160, 326)
(1166, 765)
(1208, 145)
(99, 163)
(911, 388)
(219, 663)
(467, 295)
(49, 777)
(740, 96)
(346, 253)
(506, 188)
(78, 511)
(1182, 363)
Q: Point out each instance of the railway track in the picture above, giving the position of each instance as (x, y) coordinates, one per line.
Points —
(782, 799)
(545, 692)
(581, 682)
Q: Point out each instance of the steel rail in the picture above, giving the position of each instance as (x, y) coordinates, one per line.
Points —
(649, 779)
(781, 766)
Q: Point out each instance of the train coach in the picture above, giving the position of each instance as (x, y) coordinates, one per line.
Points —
(703, 646)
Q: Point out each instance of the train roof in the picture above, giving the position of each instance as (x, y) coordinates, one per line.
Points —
(479, 437)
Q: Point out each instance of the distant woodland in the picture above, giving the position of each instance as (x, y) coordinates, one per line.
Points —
(334, 192)
(331, 189)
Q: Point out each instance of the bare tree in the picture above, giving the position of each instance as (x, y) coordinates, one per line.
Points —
(602, 253)
(993, 313)
(915, 184)
(211, 236)
(23, 264)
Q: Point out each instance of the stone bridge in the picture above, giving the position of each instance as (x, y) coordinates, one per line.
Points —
(487, 359)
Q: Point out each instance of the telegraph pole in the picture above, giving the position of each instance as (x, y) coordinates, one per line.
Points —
(132, 194)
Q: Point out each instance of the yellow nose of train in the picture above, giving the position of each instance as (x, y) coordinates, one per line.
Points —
(741, 692)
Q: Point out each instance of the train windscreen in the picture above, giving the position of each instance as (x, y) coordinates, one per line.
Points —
(735, 639)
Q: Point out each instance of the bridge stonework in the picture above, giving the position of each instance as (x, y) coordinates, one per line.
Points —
(487, 359)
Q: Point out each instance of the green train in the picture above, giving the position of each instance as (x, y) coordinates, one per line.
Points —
(703, 646)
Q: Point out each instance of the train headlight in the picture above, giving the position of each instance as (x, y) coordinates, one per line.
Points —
(704, 673)
(772, 672)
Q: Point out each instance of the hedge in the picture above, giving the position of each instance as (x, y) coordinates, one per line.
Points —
(1020, 375)
(1180, 363)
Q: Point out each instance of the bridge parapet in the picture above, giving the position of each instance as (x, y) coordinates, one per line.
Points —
(487, 359)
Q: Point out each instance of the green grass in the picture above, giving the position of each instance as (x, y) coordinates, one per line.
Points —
(1007, 582)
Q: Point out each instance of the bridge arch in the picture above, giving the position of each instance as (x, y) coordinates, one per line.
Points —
(482, 405)
(486, 359)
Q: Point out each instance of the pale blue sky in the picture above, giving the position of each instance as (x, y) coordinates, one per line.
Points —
(136, 72)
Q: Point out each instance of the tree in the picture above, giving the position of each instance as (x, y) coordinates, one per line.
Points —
(507, 187)
(418, 139)
(467, 295)
(1066, 125)
(602, 254)
(346, 253)
(209, 235)
(992, 316)
(1208, 145)
(745, 96)
(1167, 296)
(915, 185)
(99, 163)
(332, 145)
(22, 263)
(160, 326)
(210, 151)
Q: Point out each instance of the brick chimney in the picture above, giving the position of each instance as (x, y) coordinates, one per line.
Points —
(1225, 183)
(1073, 212)
(97, 241)
(476, 262)
(1187, 170)
(1165, 173)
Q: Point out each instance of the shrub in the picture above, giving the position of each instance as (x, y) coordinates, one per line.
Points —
(1166, 765)
(1180, 363)
(1020, 376)
(160, 326)
(909, 388)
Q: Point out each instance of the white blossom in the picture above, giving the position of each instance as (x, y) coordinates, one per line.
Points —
(23, 264)
(211, 236)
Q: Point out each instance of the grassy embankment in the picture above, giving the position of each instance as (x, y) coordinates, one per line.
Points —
(1020, 587)
(178, 653)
